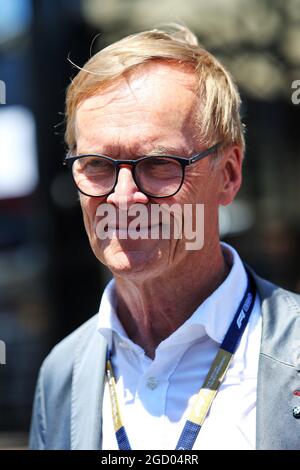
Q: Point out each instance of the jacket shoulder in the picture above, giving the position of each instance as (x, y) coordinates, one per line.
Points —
(280, 322)
(268, 290)
(60, 359)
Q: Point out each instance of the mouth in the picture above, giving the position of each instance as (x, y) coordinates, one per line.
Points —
(127, 227)
(131, 229)
(130, 232)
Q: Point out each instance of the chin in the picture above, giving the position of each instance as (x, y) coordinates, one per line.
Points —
(131, 258)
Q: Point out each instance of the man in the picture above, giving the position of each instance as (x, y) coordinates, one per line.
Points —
(152, 121)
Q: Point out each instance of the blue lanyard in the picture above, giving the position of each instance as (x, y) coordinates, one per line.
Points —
(210, 386)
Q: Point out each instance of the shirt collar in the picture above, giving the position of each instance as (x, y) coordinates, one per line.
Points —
(212, 317)
(217, 311)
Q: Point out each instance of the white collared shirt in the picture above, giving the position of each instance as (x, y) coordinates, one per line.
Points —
(156, 395)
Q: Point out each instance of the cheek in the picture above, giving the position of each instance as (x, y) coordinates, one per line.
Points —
(194, 188)
(201, 188)
(89, 207)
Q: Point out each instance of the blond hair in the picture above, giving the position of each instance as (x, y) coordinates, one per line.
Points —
(219, 119)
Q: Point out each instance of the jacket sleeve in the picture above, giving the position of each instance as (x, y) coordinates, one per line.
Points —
(37, 436)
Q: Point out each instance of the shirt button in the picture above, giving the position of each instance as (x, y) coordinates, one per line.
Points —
(152, 383)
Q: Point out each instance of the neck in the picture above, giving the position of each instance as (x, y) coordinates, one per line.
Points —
(152, 309)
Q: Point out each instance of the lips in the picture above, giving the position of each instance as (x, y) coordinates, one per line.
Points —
(134, 232)
(126, 227)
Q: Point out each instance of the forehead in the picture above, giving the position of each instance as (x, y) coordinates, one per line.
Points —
(149, 105)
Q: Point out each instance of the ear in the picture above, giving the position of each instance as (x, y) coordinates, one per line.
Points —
(231, 174)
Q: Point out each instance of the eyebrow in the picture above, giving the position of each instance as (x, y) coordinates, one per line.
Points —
(161, 150)
(157, 151)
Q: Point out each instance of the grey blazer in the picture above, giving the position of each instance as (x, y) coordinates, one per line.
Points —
(68, 400)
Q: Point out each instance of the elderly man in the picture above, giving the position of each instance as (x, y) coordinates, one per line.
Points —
(190, 348)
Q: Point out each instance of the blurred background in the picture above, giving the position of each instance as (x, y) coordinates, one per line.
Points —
(50, 282)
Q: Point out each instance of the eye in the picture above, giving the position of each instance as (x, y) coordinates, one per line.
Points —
(161, 162)
(161, 168)
(93, 165)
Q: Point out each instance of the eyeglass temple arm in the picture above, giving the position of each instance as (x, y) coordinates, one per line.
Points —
(204, 154)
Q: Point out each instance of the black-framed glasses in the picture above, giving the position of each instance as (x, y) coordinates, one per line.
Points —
(156, 176)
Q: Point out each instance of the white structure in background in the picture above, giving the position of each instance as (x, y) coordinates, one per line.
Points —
(18, 155)
(2, 92)
(2, 352)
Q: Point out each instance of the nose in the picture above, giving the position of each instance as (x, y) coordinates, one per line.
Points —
(126, 191)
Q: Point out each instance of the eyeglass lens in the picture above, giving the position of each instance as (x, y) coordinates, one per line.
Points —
(96, 176)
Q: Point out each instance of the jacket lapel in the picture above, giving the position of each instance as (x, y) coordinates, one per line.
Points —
(279, 369)
(87, 391)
